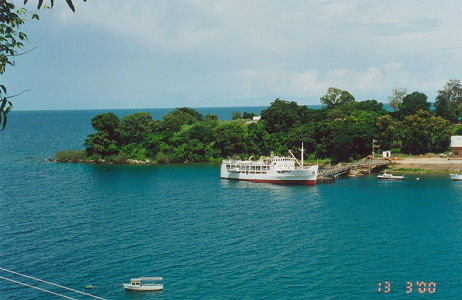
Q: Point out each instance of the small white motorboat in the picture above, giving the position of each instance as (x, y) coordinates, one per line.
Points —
(137, 285)
(457, 177)
(386, 176)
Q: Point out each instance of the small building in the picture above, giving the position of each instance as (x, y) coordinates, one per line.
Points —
(456, 147)
(256, 118)
(386, 154)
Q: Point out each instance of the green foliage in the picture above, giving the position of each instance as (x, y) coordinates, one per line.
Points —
(388, 131)
(448, 103)
(280, 116)
(248, 116)
(341, 133)
(236, 115)
(211, 117)
(135, 128)
(121, 157)
(174, 120)
(413, 103)
(257, 140)
(423, 132)
(71, 155)
(162, 158)
(12, 44)
(335, 97)
(457, 130)
(230, 139)
(107, 122)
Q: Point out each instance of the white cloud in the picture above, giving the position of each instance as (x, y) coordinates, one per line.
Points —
(370, 83)
(272, 48)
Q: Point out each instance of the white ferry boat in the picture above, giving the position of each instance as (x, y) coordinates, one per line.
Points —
(281, 170)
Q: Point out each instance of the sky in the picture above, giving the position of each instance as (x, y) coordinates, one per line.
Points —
(113, 54)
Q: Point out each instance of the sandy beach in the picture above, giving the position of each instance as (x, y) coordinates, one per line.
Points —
(427, 163)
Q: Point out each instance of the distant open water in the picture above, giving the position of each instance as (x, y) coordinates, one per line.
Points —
(79, 224)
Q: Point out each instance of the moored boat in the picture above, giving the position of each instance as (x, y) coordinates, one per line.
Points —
(456, 177)
(280, 170)
(386, 176)
(136, 284)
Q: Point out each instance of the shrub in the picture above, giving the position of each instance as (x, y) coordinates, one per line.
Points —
(122, 157)
(110, 158)
(71, 155)
(79, 155)
(162, 158)
(63, 155)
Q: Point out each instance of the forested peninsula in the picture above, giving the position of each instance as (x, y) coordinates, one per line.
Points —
(342, 130)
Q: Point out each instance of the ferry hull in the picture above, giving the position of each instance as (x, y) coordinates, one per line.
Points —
(276, 181)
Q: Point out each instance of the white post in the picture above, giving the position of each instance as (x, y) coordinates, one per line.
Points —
(373, 146)
(302, 155)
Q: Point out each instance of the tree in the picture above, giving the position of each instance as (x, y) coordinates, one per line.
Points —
(423, 132)
(135, 128)
(335, 97)
(107, 122)
(281, 115)
(236, 115)
(247, 115)
(448, 103)
(230, 139)
(413, 103)
(106, 139)
(211, 117)
(179, 117)
(257, 140)
(388, 131)
(397, 98)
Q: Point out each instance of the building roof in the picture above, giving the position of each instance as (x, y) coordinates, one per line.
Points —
(456, 141)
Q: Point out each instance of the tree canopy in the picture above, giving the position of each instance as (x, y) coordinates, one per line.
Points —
(341, 133)
(448, 103)
(413, 103)
(335, 97)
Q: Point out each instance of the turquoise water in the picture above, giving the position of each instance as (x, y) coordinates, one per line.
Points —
(78, 224)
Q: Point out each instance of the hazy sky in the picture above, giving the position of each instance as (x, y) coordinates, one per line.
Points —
(149, 54)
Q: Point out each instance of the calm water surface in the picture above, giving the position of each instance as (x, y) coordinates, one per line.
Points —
(78, 224)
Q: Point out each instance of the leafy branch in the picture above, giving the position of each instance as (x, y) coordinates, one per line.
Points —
(12, 44)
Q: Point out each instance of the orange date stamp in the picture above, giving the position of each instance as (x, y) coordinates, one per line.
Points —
(412, 287)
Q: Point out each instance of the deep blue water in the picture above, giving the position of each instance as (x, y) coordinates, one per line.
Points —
(78, 224)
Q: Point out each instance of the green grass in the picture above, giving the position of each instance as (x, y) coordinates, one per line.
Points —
(419, 171)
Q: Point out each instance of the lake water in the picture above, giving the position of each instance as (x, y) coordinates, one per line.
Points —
(79, 224)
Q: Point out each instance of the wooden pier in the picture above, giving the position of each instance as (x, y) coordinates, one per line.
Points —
(344, 168)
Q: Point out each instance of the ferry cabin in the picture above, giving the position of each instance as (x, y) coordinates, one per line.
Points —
(279, 164)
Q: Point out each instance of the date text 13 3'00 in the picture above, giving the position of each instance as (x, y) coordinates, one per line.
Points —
(421, 287)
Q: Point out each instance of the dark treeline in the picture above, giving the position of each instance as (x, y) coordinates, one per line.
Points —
(343, 130)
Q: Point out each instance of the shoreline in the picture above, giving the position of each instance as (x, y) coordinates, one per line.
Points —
(416, 165)
(426, 165)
